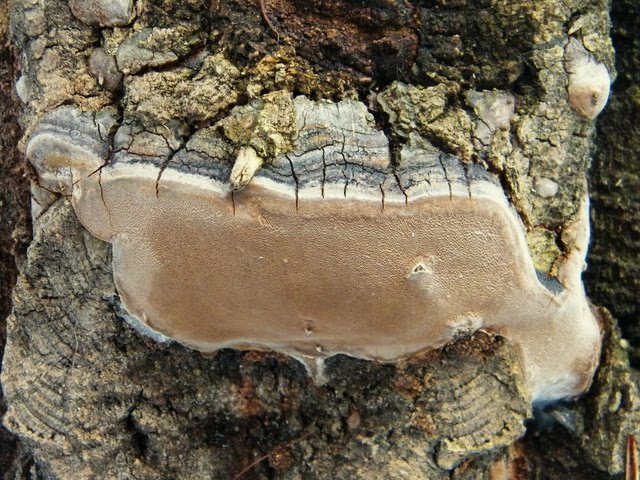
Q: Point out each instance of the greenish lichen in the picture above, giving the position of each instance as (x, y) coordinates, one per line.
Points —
(183, 94)
(266, 124)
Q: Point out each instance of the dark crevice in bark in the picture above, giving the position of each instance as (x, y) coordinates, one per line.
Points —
(613, 276)
(15, 228)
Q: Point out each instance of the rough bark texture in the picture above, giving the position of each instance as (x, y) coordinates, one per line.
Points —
(14, 221)
(90, 397)
(614, 273)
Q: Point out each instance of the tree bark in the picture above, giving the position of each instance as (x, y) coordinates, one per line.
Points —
(613, 276)
(89, 396)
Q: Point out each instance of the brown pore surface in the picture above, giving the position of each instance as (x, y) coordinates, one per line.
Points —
(337, 274)
(334, 275)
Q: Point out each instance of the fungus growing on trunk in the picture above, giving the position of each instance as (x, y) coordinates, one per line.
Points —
(328, 249)
(589, 80)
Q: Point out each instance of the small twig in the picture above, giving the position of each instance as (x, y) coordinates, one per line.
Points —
(267, 20)
(631, 459)
(265, 457)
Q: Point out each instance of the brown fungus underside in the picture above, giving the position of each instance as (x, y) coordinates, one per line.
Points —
(511, 87)
(330, 249)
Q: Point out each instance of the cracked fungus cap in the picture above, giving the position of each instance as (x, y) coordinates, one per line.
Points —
(324, 252)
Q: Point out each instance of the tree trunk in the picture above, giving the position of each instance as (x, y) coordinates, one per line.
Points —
(493, 93)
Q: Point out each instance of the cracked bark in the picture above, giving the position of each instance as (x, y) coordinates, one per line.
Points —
(90, 397)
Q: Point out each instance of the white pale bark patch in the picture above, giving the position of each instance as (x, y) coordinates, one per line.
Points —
(329, 249)
(106, 13)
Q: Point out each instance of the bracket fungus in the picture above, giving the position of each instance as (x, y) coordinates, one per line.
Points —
(330, 248)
